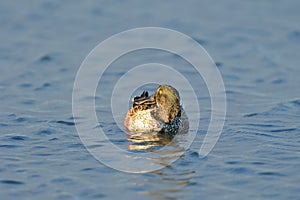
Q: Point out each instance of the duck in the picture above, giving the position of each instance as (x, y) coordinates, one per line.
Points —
(160, 112)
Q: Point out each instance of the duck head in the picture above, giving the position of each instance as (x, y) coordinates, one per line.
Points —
(165, 102)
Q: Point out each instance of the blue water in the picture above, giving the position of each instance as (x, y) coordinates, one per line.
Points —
(256, 46)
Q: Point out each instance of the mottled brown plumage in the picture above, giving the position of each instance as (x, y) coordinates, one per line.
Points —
(158, 112)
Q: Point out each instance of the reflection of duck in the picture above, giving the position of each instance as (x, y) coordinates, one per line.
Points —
(159, 112)
(149, 140)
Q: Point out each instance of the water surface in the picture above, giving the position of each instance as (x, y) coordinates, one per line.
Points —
(255, 45)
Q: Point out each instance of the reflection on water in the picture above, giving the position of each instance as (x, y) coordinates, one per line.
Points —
(159, 149)
(168, 148)
(168, 183)
(149, 141)
(174, 184)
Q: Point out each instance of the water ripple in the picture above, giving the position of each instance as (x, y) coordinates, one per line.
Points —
(11, 182)
(65, 123)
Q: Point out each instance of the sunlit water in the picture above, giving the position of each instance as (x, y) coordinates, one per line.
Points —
(255, 46)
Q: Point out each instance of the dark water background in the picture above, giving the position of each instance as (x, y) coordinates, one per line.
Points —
(256, 45)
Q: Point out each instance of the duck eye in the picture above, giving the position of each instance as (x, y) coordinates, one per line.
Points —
(160, 91)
